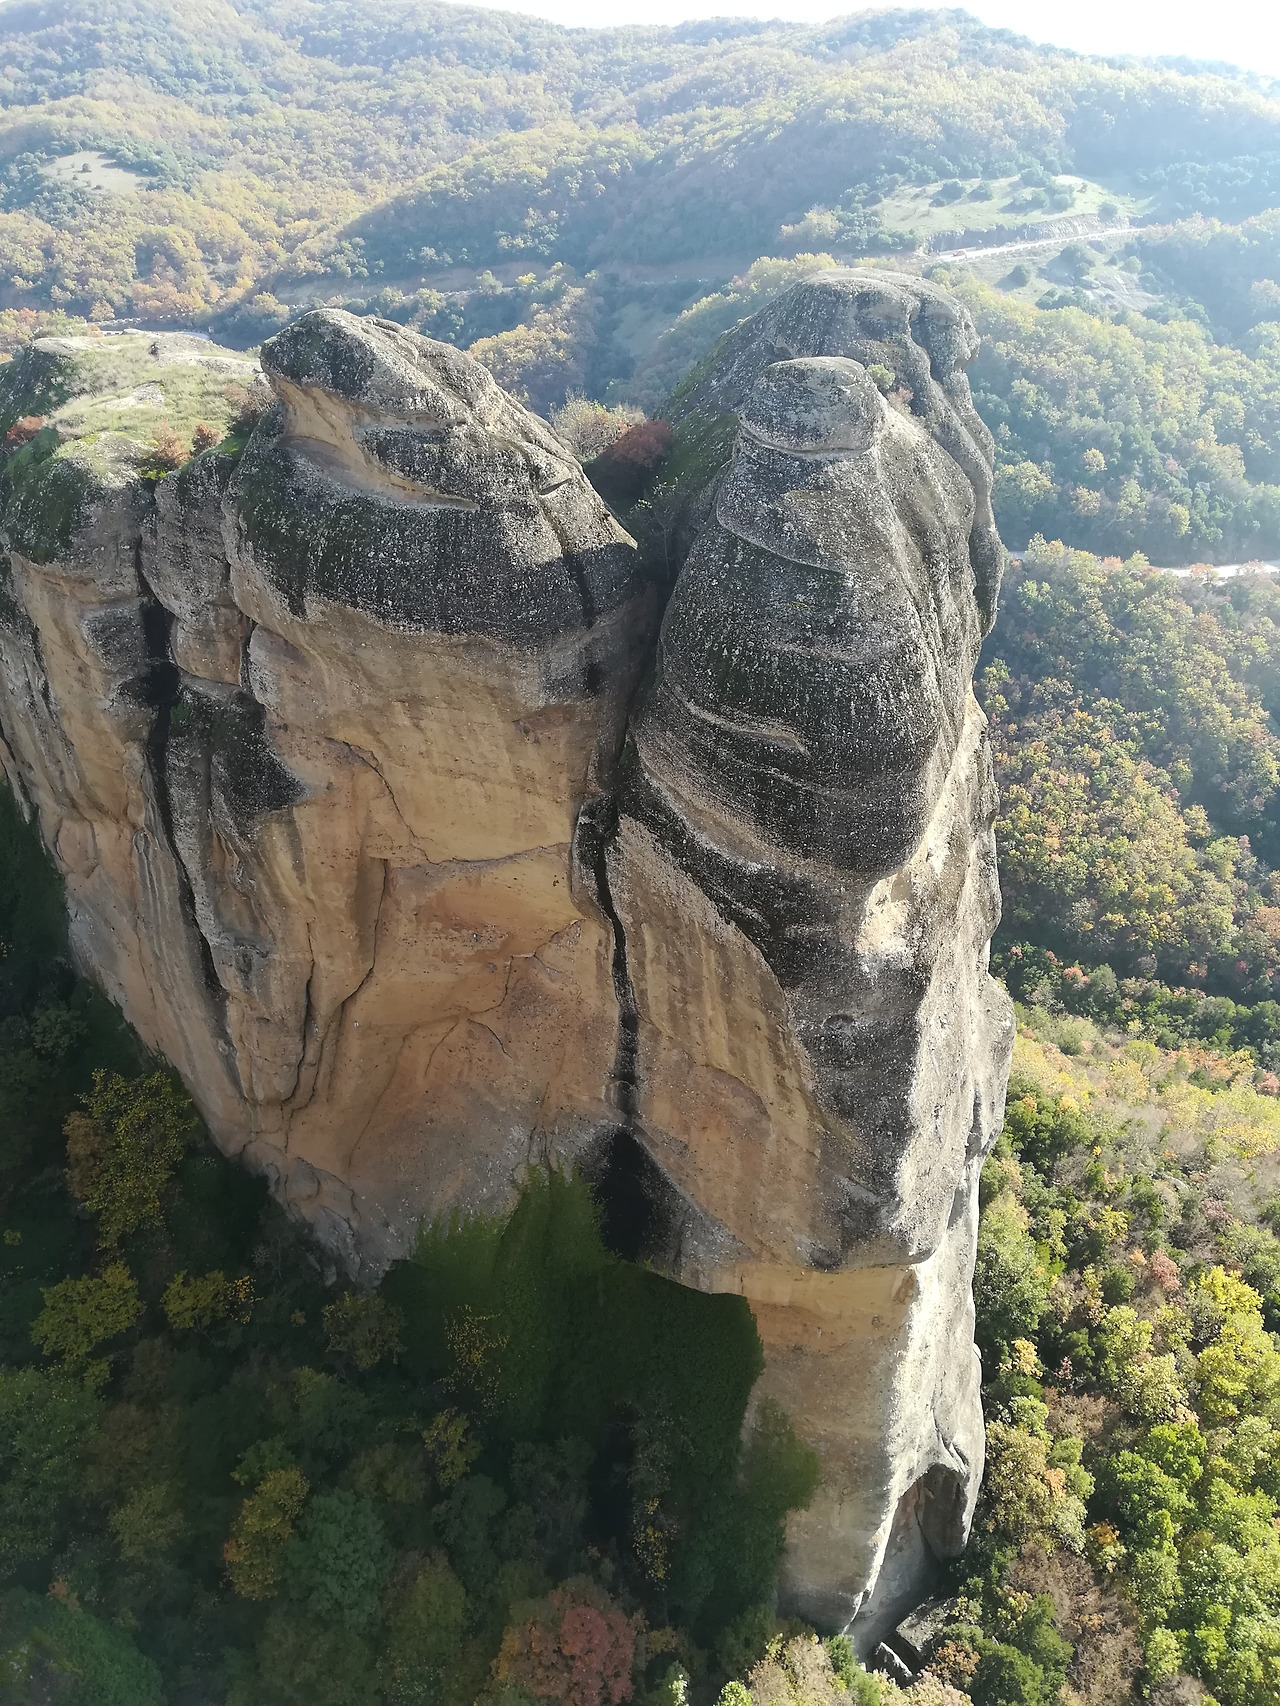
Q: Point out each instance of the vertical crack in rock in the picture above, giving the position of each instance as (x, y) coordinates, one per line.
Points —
(597, 825)
(636, 1201)
(157, 688)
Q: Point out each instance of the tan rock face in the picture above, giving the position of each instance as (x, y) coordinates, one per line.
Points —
(331, 742)
(324, 864)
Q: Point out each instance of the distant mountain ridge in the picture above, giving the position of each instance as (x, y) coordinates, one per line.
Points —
(280, 144)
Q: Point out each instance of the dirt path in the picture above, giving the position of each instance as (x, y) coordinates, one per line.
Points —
(976, 251)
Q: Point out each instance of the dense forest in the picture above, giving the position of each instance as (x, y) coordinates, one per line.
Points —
(277, 142)
(1128, 1281)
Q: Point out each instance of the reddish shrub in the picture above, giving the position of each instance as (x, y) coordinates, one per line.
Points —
(575, 1646)
(622, 472)
(170, 451)
(202, 439)
(249, 405)
(23, 431)
(643, 446)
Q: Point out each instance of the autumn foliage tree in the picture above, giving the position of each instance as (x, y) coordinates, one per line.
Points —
(574, 1645)
(262, 1529)
(622, 471)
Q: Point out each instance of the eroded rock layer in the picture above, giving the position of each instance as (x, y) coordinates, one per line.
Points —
(339, 742)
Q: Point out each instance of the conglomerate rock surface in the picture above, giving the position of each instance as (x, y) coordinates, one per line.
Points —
(389, 816)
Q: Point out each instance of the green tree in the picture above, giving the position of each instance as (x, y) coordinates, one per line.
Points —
(150, 1522)
(46, 1419)
(206, 1299)
(1034, 1488)
(424, 1637)
(301, 1661)
(336, 1561)
(367, 1330)
(81, 1314)
(1239, 1371)
(1011, 1286)
(123, 1148)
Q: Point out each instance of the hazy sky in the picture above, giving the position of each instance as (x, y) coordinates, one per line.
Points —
(1243, 32)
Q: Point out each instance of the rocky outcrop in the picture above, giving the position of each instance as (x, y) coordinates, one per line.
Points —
(310, 731)
(388, 816)
(805, 872)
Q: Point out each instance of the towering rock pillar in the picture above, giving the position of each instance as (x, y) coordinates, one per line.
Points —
(330, 739)
(309, 733)
(803, 873)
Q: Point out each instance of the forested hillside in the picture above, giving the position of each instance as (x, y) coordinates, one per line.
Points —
(272, 146)
(589, 209)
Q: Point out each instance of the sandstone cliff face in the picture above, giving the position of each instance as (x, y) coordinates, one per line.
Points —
(310, 734)
(369, 825)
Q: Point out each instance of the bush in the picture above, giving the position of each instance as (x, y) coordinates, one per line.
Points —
(170, 452)
(23, 431)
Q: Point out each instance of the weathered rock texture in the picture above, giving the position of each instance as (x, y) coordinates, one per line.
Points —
(805, 871)
(310, 734)
(331, 741)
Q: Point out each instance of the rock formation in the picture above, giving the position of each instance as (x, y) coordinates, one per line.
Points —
(805, 871)
(389, 817)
